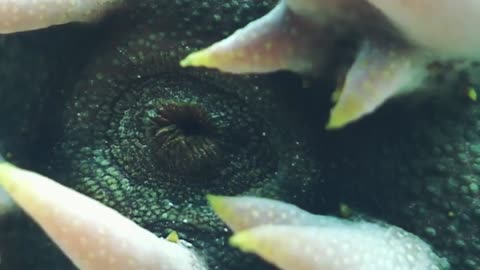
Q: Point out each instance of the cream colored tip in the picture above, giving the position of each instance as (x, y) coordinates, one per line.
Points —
(335, 122)
(216, 202)
(91, 234)
(173, 237)
(245, 241)
(344, 113)
(220, 206)
(198, 59)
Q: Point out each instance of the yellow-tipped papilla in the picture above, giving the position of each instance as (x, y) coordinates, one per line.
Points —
(245, 241)
(198, 59)
(92, 235)
(244, 212)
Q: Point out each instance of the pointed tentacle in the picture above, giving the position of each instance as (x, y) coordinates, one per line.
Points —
(92, 235)
(379, 72)
(242, 213)
(294, 239)
(24, 15)
(359, 246)
(278, 41)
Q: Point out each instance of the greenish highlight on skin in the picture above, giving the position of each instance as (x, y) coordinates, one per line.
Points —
(413, 167)
(112, 159)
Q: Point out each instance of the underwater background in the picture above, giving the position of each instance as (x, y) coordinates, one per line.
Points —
(82, 105)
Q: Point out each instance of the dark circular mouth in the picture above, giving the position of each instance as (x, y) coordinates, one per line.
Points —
(188, 118)
(184, 140)
(183, 131)
(153, 142)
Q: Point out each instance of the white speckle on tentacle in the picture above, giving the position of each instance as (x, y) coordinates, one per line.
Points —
(405, 36)
(447, 27)
(24, 15)
(92, 235)
(306, 241)
(359, 245)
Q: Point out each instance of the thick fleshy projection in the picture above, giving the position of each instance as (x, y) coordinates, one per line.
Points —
(171, 135)
(404, 39)
(446, 27)
(24, 15)
(275, 42)
(294, 239)
(378, 73)
(416, 153)
(92, 235)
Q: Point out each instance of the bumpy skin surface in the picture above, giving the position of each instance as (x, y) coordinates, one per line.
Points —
(417, 168)
(135, 126)
(419, 171)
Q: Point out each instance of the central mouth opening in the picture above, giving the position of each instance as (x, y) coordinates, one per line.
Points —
(188, 119)
(184, 140)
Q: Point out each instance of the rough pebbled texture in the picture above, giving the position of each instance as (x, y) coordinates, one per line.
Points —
(128, 98)
(301, 36)
(414, 167)
(91, 234)
(419, 172)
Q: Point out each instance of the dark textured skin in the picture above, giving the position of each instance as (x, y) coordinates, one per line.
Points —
(105, 147)
(419, 169)
(415, 167)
